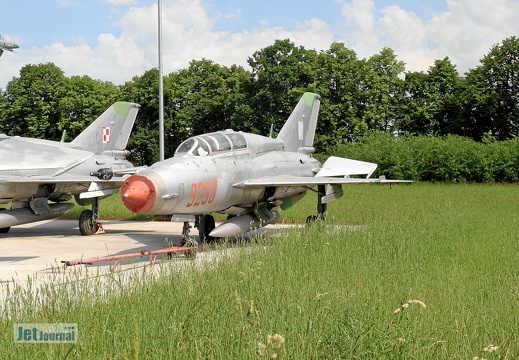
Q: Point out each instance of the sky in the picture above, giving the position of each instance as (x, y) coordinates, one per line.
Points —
(115, 40)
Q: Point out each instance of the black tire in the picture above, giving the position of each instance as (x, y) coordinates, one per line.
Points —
(205, 226)
(86, 223)
(311, 219)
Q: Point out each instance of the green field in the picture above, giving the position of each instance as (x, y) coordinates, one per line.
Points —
(416, 271)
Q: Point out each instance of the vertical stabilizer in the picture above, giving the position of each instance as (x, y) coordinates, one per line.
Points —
(111, 130)
(299, 130)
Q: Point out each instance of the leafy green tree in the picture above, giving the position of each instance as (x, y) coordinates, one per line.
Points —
(3, 103)
(281, 73)
(491, 94)
(338, 76)
(382, 91)
(445, 86)
(32, 106)
(198, 99)
(202, 98)
(202, 95)
(82, 100)
(431, 103)
(417, 115)
(144, 140)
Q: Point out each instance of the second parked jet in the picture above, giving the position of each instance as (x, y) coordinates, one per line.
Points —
(38, 177)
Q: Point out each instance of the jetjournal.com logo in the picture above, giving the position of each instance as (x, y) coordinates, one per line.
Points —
(43, 333)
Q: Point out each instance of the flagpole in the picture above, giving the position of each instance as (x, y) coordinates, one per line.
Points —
(161, 86)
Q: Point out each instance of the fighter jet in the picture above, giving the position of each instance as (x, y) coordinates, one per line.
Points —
(6, 45)
(38, 177)
(247, 176)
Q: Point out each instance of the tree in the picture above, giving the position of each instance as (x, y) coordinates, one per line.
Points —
(82, 100)
(144, 140)
(491, 94)
(431, 104)
(382, 91)
(338, 76)
(202, 98)
(32, 106)
(281, 73)
(198, 99)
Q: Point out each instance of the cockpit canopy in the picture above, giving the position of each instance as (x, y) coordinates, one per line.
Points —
(212, 143)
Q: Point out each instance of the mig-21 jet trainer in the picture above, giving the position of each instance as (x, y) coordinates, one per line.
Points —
(247, 176)
(38, 177)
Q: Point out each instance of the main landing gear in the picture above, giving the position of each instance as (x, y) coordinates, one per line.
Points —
(205, 224)
(321, 208)
(89, 220)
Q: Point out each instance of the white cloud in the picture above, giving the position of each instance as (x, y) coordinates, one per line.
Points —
(188, 33)
(122, 2)
(464, 33)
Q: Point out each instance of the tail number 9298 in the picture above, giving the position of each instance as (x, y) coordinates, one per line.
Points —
(202, 193)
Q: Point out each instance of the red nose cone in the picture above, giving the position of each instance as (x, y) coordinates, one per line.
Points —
(138, 193)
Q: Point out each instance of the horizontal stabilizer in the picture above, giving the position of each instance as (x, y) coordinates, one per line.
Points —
(337, 166)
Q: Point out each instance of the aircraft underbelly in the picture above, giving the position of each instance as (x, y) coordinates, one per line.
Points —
(70, 188)
(11, 191)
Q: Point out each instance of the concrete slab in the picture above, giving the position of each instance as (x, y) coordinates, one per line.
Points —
(37, 249)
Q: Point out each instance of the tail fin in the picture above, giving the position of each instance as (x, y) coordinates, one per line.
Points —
(109, 133)
(299, 130)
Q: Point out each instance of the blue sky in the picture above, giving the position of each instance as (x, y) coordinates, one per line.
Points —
(114, 40)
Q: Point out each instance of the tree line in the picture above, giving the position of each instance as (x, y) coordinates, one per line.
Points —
(359, 97)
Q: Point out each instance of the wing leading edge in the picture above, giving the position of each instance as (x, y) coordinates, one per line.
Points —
(335, 170)
(287, 180)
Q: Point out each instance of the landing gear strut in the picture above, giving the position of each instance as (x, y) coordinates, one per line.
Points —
(205, 224)
(89, 220)
(321, 208)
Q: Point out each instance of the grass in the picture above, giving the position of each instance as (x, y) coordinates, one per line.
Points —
(321, 292)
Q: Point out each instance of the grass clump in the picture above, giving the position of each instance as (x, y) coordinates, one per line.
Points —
(420, 272)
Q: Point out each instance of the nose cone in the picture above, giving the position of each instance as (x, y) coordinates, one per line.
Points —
(15, 46)
(138, 194)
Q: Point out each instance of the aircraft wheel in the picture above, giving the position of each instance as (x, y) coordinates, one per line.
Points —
(311, 219)
(205, 226)
(86, 223)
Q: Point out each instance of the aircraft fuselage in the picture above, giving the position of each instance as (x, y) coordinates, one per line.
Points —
(200, 185)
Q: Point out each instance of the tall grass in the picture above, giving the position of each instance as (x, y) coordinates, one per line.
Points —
(414, 272)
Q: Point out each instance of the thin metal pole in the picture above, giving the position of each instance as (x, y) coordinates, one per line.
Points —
(161, 87)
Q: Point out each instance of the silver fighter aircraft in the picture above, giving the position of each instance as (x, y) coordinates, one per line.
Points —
(247, 176)
(38, 176)
(6, 45)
